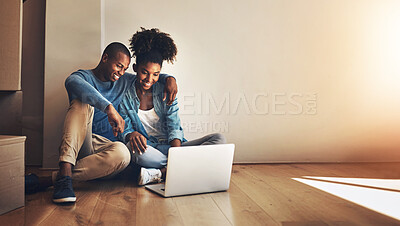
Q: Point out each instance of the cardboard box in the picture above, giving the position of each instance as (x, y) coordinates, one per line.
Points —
(10, 48)
(12, 190)
(11, 113)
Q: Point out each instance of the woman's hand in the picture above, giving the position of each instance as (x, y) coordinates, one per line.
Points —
(171, 88)
(138, 142)
(175, 143)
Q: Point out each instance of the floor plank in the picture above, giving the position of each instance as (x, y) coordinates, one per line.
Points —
(240, 209)
(116, 203)
(270, 199)
(261, 194)
(155, 210)
(200, 210)
(15, 217)
(38, 207)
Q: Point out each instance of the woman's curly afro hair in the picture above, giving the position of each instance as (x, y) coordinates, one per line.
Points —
(151, 45)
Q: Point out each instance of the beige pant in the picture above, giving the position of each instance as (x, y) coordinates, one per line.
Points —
(93, 156)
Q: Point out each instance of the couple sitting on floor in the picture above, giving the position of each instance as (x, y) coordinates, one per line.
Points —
(108, 105)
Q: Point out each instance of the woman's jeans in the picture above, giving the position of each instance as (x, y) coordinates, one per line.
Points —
(157, 157)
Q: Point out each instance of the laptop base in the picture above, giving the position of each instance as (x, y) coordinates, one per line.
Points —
(157, 188)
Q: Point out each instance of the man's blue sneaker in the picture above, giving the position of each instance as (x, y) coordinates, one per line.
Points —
(31, 183)
(63, 192)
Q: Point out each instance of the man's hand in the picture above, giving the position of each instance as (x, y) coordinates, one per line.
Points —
(138, 142)
(171, 88)
(116, 121)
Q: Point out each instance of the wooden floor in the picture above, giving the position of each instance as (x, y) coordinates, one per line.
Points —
(258, 195)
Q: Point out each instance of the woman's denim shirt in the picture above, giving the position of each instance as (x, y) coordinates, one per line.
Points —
(169, 118)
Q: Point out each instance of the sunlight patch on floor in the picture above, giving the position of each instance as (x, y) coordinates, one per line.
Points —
(392, 184)
(379, 200)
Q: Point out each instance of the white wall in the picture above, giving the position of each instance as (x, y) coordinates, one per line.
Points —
(73, 34)
(326, 71)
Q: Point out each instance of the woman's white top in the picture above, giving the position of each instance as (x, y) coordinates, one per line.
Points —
(151, 123)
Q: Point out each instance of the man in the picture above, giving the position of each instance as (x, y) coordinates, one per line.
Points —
(89, 147)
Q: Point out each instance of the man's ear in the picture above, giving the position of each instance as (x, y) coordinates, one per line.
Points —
(134, 67)
(104, 58)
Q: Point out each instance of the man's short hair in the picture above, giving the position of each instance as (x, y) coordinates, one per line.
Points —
(113, 48)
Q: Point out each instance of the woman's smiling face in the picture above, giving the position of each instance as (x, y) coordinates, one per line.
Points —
(147, 74)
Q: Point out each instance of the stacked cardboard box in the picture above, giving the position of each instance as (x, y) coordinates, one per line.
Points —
(12, 191)
(10, 48)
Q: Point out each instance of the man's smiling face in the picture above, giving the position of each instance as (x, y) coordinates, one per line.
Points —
(115, 66)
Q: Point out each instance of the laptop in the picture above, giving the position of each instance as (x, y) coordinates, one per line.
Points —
(196, 169)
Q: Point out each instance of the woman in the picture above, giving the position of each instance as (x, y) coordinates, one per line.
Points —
(152, 126)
